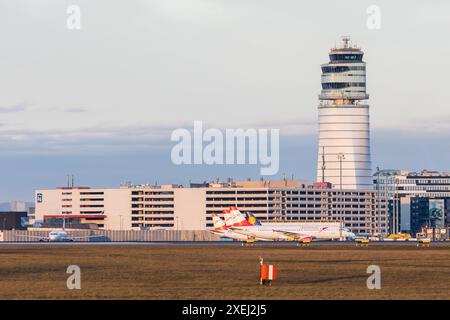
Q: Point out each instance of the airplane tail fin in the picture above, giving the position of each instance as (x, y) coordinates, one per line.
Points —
(219, 224)
(252, 219)
(239, 219)
(229, 218)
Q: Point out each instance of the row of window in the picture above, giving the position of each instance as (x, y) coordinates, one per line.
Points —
(337, 69)
(342, 85)
(151, 219)
(162, 225)
(151, 212)
(152, 206)
(140, 193)
(345, 57)
(92, 193)
(293, 192)
(152, 199)
(414, 181)
(238, 199)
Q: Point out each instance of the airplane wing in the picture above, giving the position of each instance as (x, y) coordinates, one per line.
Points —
(217, 232)
(33, 237)
(87, 237)
(241, 231)
(294, 235)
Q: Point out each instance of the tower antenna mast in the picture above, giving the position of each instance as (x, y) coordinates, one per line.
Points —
(323, 164)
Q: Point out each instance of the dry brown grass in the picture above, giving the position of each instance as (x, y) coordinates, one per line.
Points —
(223, 272)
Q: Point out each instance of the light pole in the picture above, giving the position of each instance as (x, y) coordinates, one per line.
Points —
(386, 201)
(378, 226)
(396, 206)
(341, 157)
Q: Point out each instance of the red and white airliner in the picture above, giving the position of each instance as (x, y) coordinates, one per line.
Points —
(237, 224)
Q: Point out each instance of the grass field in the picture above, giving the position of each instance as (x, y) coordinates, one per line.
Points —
(223, 272)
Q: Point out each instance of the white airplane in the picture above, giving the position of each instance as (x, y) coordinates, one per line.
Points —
(221, 229)
(60, 236)
(301, 232)
(235, 219)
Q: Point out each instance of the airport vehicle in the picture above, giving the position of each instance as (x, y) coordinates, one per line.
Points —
(424, 242)
(399, 236)
(362, 240)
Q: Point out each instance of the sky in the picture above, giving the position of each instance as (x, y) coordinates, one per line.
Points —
(101, 102)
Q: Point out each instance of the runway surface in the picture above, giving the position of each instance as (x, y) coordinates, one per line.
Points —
(218, 243)
(223, 270)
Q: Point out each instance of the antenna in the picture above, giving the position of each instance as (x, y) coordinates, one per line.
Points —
(73, 181)
(346, 41)
(323, 164)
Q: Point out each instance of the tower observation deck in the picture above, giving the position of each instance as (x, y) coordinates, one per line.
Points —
(344, 131)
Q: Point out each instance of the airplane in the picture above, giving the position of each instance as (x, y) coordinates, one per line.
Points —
(222, 227)
(59, 236)
(301, 232)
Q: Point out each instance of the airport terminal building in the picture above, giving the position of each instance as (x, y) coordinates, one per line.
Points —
(174, 207)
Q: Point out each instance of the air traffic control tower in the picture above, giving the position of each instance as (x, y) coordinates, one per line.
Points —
(344, 133)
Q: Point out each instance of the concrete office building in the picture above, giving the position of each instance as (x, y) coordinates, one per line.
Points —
(137, 207)
(428, 212)
(344, 133)
(403, 188)
(13, 220)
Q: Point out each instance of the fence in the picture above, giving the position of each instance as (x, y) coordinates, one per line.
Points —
(114, 235)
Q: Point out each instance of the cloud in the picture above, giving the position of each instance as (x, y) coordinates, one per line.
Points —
(100, 139)
(108, 139)
(429, 124)
(15, 108)
(74, 109)
(291, 127)
(189, 11)
(84, 140)
(64, 109)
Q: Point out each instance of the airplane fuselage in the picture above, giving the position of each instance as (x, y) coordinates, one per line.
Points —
(58, 236)
(238, 236)
(285, 231)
